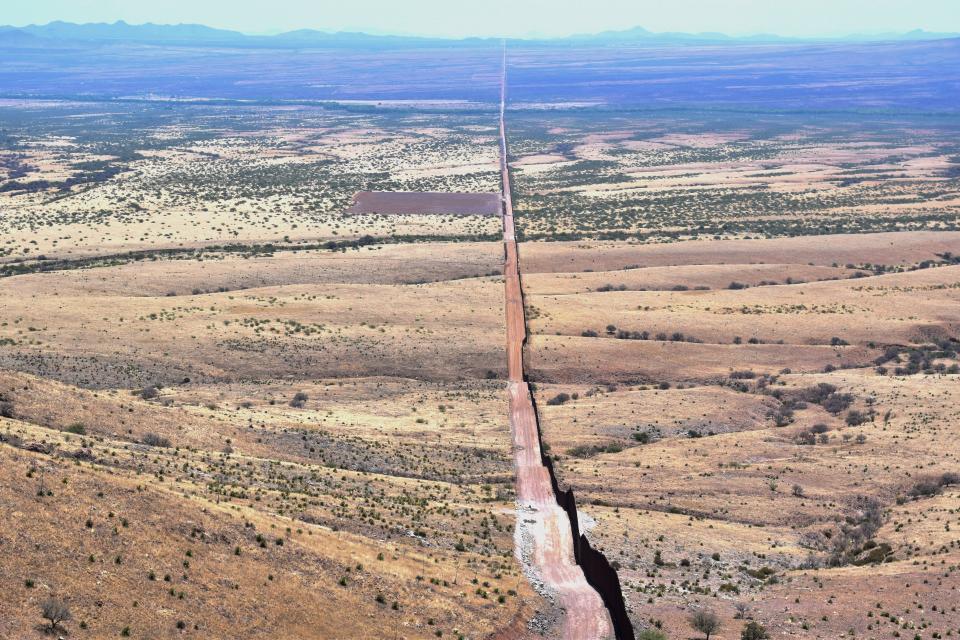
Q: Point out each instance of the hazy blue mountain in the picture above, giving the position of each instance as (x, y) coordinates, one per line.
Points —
(628, 69)
(916, 34)
(200, 35)
(641, 35)
(120, 30)
(10, 36)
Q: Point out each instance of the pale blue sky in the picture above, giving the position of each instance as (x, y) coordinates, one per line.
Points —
(510, 17)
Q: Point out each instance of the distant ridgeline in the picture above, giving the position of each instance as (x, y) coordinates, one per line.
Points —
(917, 71)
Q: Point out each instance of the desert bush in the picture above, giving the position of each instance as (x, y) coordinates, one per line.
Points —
(559, 399)
(818, 393)
(754, 631)
(855, 418)
(155, 440)
(299, 400)
(837, 402)
(856, 531)
(54, 611)
(783, 416)
(929, 486)
(706, 622)
(587, 451)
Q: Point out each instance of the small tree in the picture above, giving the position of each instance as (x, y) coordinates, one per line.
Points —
(706, 622)
(754, 631)
(54, 611)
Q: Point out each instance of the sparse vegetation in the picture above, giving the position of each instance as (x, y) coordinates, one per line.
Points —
(154, 440)
(706, 622)
(55, 611)
(299, 400)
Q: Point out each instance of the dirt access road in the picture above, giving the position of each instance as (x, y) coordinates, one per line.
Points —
(543, 534)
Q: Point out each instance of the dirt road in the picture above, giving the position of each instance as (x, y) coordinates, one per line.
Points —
(544, 538)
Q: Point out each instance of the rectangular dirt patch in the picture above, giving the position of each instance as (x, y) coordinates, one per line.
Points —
(426, 203)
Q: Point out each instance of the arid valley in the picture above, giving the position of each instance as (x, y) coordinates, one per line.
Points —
(487, 340)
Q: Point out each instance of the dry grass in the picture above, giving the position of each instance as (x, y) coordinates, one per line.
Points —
(689, 461)
(221, 176)
(342, 322)
(319, 400)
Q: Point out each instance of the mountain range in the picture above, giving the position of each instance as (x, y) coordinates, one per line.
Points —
(69, 33)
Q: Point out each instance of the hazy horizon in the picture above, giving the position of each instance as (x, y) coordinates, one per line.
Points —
(535, 18)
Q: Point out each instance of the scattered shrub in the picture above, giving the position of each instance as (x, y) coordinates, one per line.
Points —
(299, 400)
(54, 611)
(155, 440)
(929, 486)
(754, 631)
(706, 622)
(855, 418)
